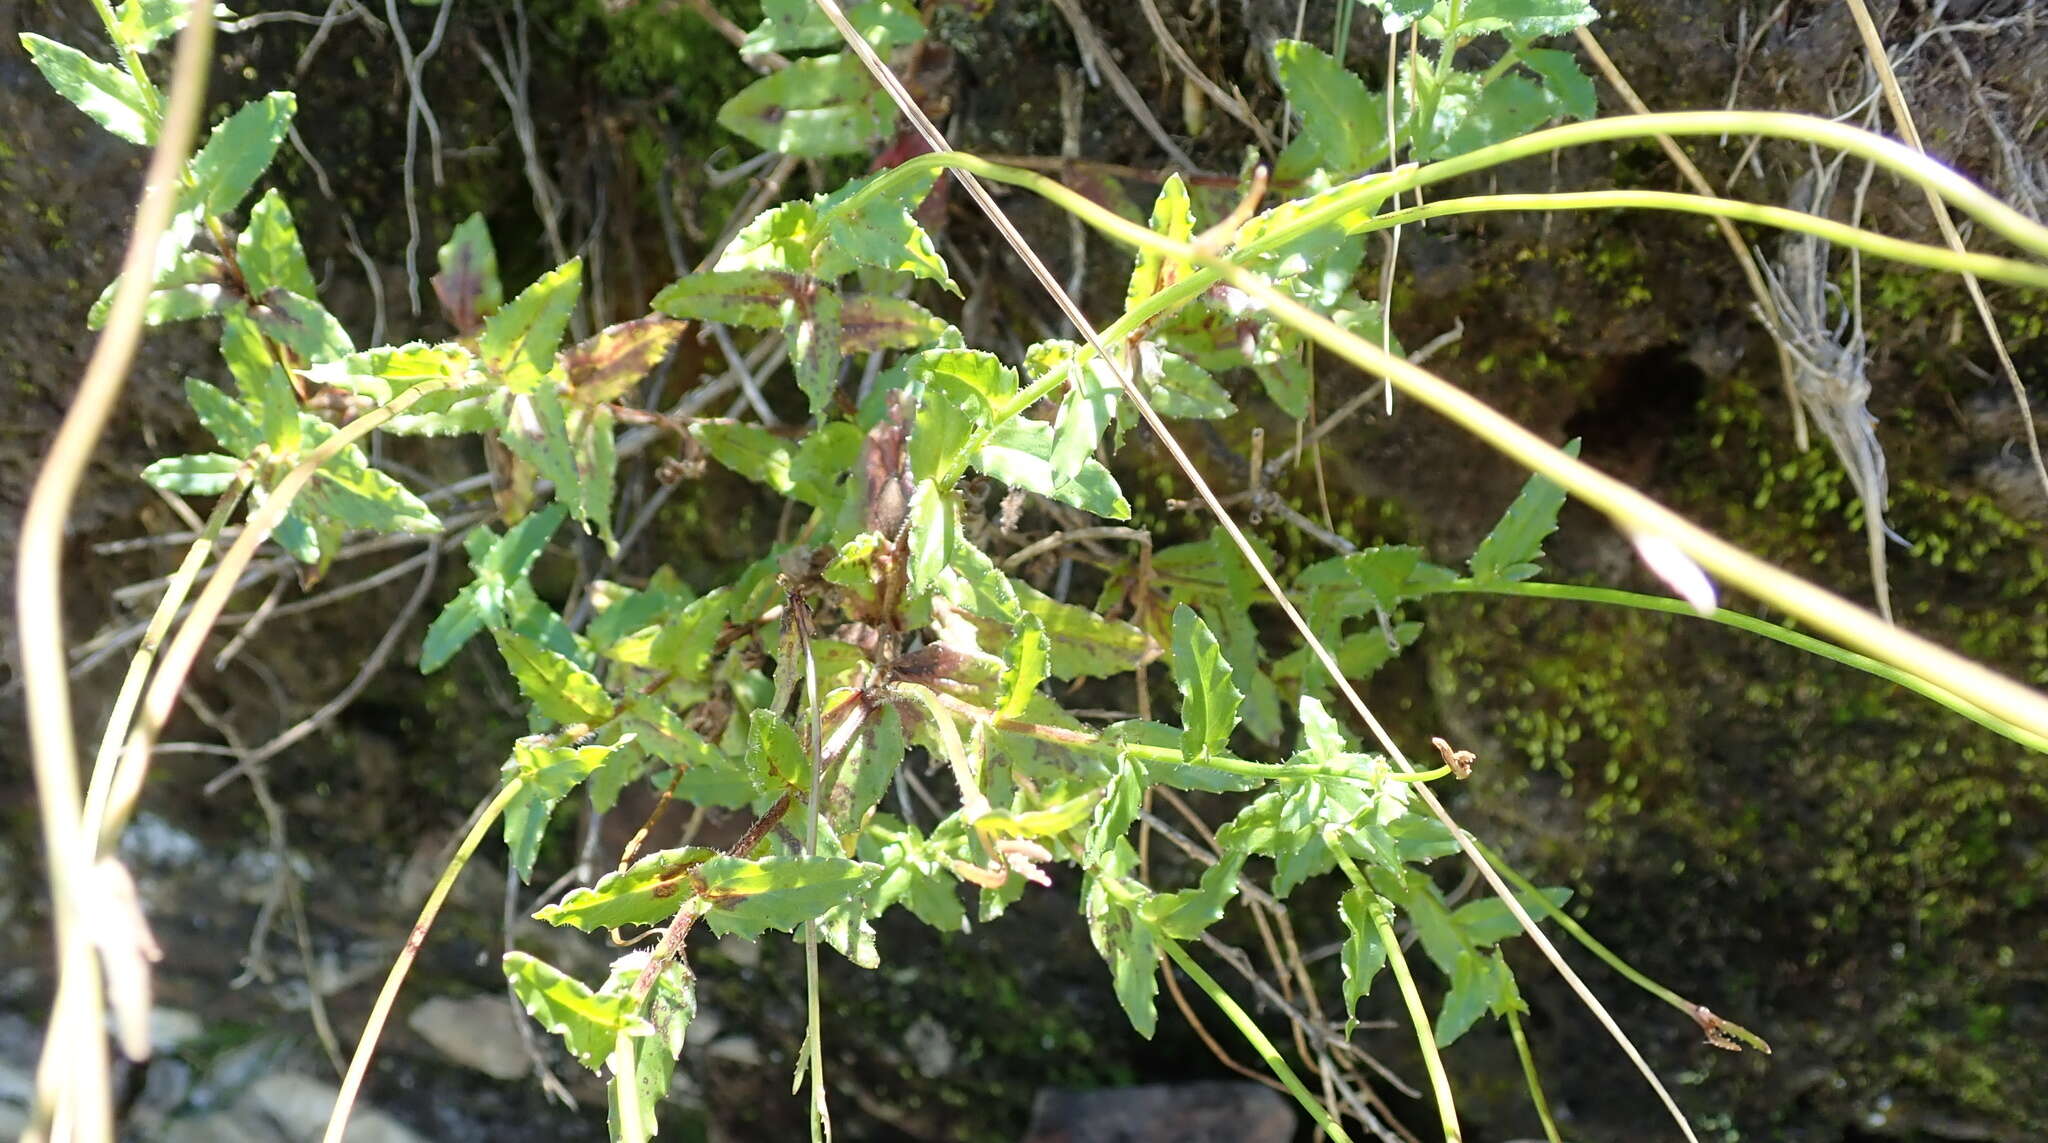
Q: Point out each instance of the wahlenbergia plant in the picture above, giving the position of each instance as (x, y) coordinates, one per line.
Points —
(882, 627)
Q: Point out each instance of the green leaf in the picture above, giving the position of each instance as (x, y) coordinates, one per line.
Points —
(354, 495)
(226, 418)
(750, 450)
(518, 342)
(1524, 19)
(1363, 953)
(788, 25)
(577, 459)
(1488, 921)
(1510, 551)
(142, 24)
(751, 298)
(775, 756)
(499, 562)
(814, 107)
(603, 367)
(106, 93)
(822, 462)
(879, 230)
(1343, 126)
(546, 774)
(262, 381)
(203, 474)
(189, 284)
(1181, 388)
(811, 330)
(269, 252)
(593, 1025)
(468, 285)
(1028, 661)
(915, 873)
(1507, 108)
(1396, 15)
(1571, 89)
(557, 687)
(870, 323)
(1123, 938)
(1083, 644)
(670, 1007)
(301, 325)
(388, 370)
(1277, 362)
(237, 153)
(1477, 984)
(1209, 701)
(684, 644)
(750, 897)
(1019, 453)
(949, 411)
(931, 534)
(1172, 217)
(648, 892)
(1185, 915)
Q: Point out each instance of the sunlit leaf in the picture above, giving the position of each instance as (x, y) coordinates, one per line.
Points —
(468, 285)
(1511, 550)
(1173, 217)
(605, 366)
(301, 325)
(592, 1025)
(1571, 89)
(518, 342)
(670, 1006)
(202, 474)
(751, 298)
(648, 892)
(1363, 953)
(546, 774)
(815, 107)
(1343, 125)
(237, 153)
(269, 252)
(788, 25)
(1209, 700)
(1019, 454)
(226, 418)
(105, 92)
(498, 562)
(557, 687)
(750, 897)
(862, 228)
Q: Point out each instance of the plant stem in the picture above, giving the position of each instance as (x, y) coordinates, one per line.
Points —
(1256, 1038)
(1529, 1075)
(162, 696)
(1592, 945)
(1821, 647)
(1418, 1016)
(366, 1047)
(71, 1077)
(175, 590)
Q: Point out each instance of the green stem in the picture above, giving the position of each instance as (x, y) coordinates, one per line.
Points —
(1257, 1039)
(152, 102)
(1542, 907)
(1755, 626)
(1840, 234)
(175, 591)
(1530, 1077)
(125, 786)
(366, 1047)
(1418, 1016)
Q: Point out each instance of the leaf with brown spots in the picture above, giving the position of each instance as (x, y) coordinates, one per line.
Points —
(603, 367)
(647, 892)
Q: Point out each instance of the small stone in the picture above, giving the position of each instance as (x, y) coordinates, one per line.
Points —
(1163, 1113)
(741, 1050)
(931, 1049)
(480, 1032)
(173, 1028)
